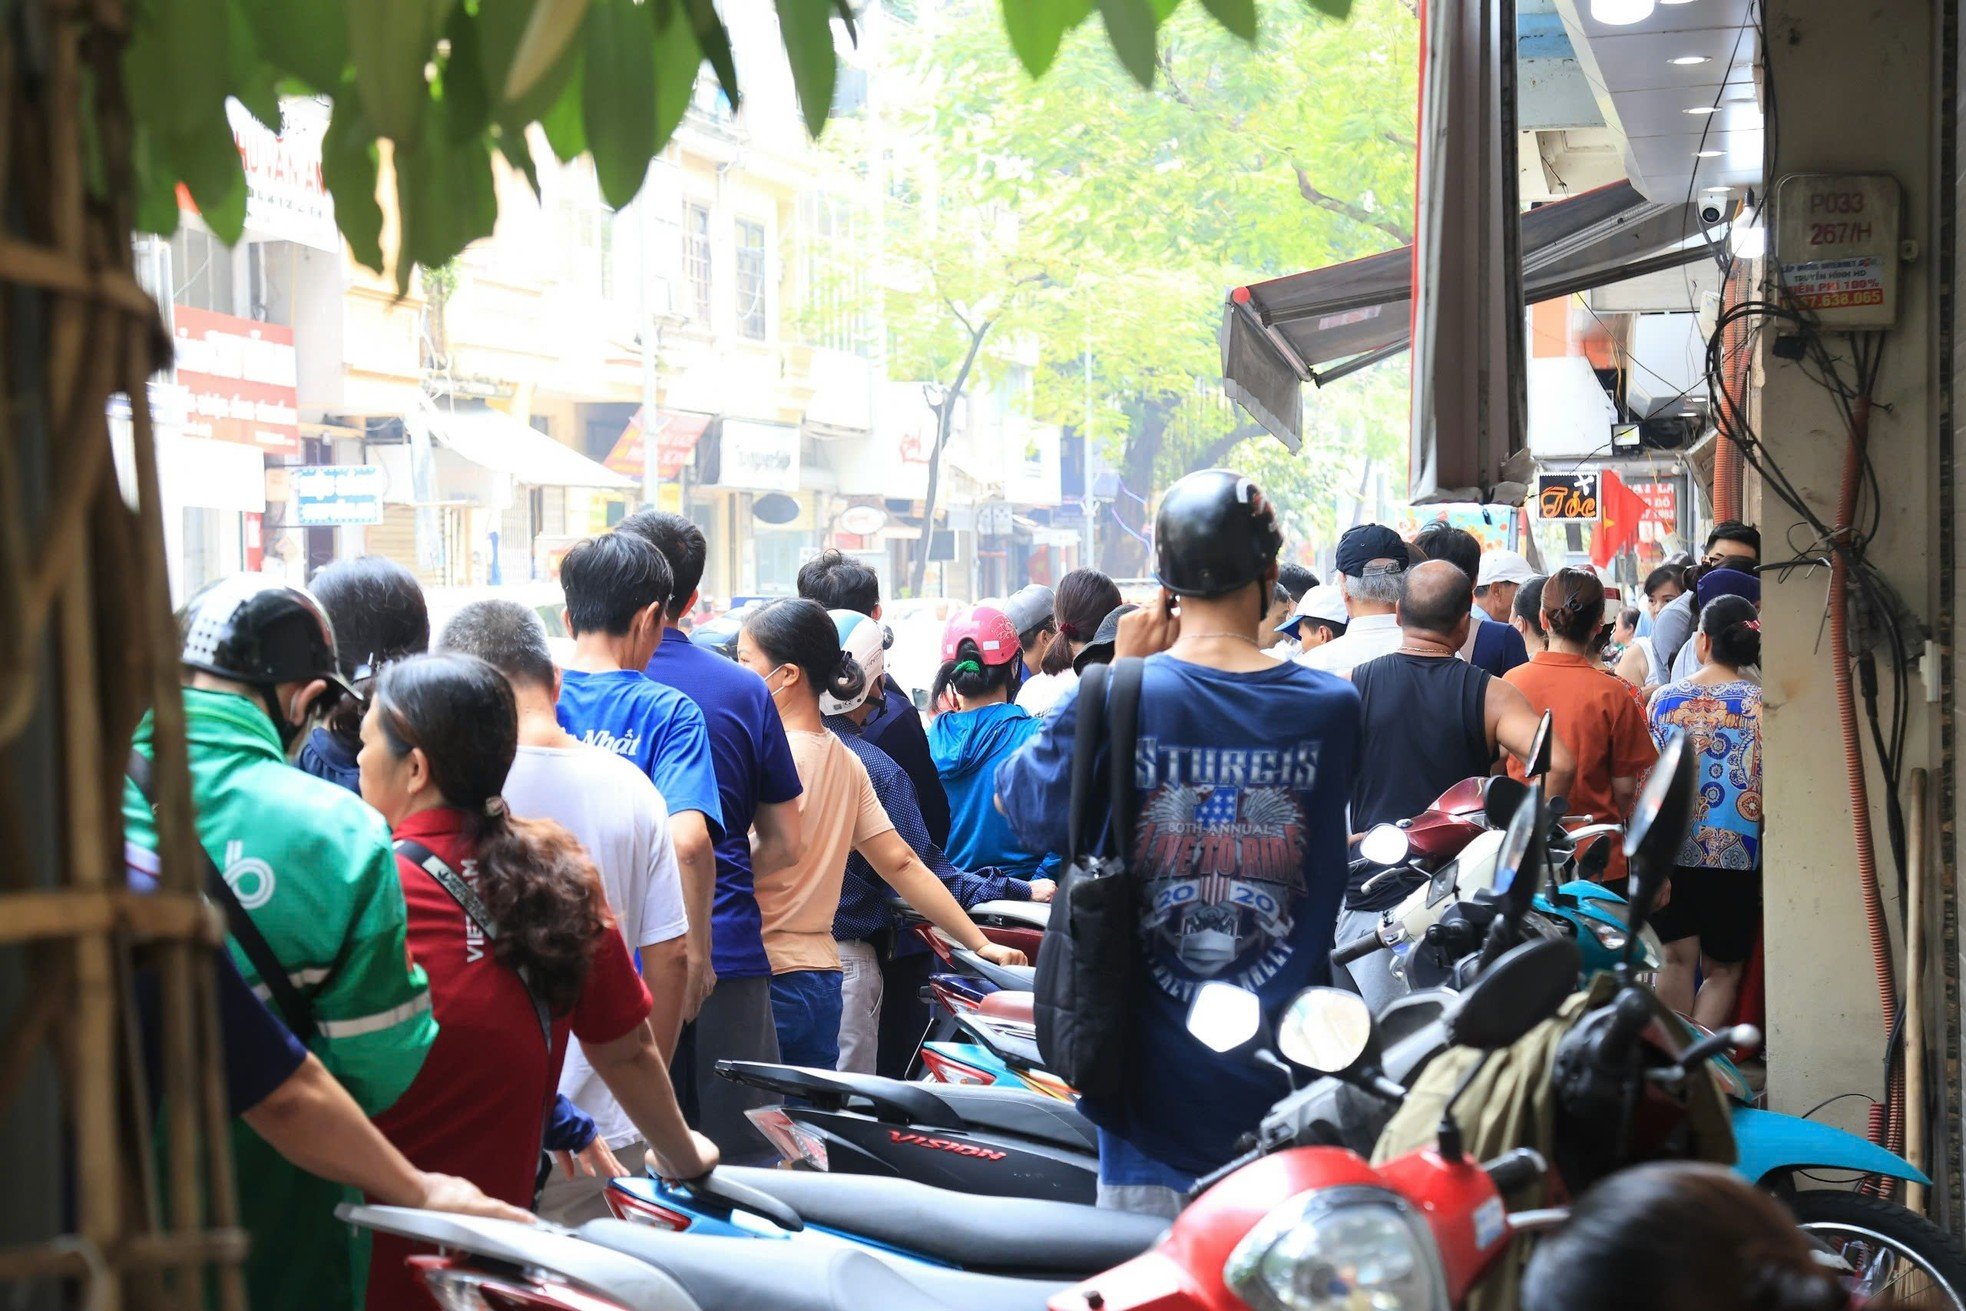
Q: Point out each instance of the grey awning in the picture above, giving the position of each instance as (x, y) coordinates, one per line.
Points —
(1320, 325)
(495, 440)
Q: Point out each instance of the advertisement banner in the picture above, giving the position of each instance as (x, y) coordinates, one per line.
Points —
(762, 457)
(1494, 526)
(239, 377)
(286, 199)
(337, 495)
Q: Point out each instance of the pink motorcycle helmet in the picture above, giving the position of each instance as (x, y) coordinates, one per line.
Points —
(995, 636)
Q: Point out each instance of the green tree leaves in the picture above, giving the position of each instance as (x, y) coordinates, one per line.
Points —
(807, 26)
(617, 95)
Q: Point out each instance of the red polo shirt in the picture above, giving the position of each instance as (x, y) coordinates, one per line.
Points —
(478, 1105)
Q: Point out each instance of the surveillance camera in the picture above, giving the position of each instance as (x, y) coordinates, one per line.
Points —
(1710, 214)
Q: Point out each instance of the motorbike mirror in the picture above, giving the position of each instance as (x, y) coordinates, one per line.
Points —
(1540, 748)
(1596, 858)
(1504, 795)
(1223, 1017)
(1515, 852)
(1326, 1029)
(1660, 815)
(1384, 844)
(1524, 987)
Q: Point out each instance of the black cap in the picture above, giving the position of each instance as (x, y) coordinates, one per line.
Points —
(1099, 650)
(1215, 532)
(1367, 542)
(255, 629)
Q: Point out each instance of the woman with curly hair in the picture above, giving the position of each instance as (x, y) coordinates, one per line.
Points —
(508, 919)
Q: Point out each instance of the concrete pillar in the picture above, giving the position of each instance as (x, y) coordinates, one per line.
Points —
(1851, 89)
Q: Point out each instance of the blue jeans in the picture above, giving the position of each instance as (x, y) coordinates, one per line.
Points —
(805, 1006)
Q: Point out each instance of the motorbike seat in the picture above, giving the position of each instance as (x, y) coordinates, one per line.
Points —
(1015, 978)
(889, 1099)
(988, 1235)
(725, 1274)
(1021, 1114)
(1007, 1005)
(1033, 914)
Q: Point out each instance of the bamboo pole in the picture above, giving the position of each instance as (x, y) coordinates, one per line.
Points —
(1914, 990)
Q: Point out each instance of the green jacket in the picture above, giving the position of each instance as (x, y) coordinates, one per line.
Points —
(313, 867)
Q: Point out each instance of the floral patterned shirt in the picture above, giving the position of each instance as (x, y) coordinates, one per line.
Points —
(1723, 721)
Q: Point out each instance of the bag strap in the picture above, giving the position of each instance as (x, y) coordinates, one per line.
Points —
(294, 1007)
(1122, 735)
(1091, 727)
(467, 897)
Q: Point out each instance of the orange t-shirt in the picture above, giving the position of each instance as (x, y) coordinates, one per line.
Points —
(837, 812)
(1595, 716)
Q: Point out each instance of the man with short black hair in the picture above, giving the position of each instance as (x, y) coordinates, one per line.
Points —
(1491, 645)
(1371, 567)
(1731, 544)
(1296, 580)
(758, 789)
(620, 817)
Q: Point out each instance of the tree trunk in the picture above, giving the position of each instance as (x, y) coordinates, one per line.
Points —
(945, 420)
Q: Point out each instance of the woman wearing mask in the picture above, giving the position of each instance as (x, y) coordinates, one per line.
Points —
(508, 919)
(1084, 597)
(976, 728)
(1596, 715)
(795, 647)
(1715, 911)
(1526, 615)
(378, 614)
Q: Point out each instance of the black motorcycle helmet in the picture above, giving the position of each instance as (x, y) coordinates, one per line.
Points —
(253, 629)
(1215, 532)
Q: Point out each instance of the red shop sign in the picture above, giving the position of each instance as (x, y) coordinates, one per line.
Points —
(239, 379)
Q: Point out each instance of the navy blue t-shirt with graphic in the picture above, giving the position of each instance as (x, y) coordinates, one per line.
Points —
(1239, 851)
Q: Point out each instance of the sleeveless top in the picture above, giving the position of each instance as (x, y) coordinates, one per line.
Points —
(1425, 729)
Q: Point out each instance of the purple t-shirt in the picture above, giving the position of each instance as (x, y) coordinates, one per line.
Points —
(754, 767)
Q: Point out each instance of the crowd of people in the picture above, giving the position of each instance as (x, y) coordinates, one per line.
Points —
(522, 907)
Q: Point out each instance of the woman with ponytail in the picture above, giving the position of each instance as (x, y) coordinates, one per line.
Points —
(508, 919)
(976, 728)
(1715, 912)
(795, 647)
(1084, 597)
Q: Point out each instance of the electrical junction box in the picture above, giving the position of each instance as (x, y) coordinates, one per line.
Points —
(1837, 247)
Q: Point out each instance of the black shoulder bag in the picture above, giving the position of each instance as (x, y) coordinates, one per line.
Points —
(293, 1004)
(1087, 974)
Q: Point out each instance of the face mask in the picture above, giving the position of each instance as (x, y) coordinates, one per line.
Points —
(294, 734)
(768, 685)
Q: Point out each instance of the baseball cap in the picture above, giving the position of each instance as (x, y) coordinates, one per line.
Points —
(1728, 582)
(1366, 542)
(1028, 607)
(1503, 567)
(1325, 601)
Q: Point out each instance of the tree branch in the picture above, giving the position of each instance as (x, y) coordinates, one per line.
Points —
(1346, 209)
(1218, 450)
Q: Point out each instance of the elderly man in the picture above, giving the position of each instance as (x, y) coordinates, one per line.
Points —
(1371, 568)
(1497, 580)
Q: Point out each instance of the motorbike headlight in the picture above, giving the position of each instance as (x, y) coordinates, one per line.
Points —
(1609, 936)
(1339, 1249)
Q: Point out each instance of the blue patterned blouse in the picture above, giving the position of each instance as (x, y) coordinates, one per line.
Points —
(1724, 723)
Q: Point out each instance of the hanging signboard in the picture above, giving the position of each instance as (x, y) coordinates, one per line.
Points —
(1566, 496)
(337, 495)
(760, 456)
(239, 378)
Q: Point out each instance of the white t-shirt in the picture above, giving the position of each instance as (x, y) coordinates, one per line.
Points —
(618, 815)
(1041, 693)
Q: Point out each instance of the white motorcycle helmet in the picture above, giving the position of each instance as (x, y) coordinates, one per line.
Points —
(866, 641)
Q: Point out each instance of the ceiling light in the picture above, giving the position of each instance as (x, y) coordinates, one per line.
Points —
(1620, 13)
(1687, 61)
(1707, 154)
(1704, 109)
(1675, 2)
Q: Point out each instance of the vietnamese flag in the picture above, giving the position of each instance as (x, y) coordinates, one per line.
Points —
(1619, 511)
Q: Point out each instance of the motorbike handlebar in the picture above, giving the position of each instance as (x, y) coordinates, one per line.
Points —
(1208, 1181)
(1629, 1016)
(1357, 949)
(1513, 1169)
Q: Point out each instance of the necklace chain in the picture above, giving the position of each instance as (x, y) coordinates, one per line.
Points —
(1202, 637)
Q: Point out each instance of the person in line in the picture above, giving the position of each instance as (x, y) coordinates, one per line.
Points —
(977, 727)
(1679, 1236)
(1623, 633)
(838, 583)
(1527, 619)
(1372, 563)
(1491, 644)
(865, 925)
(1099, 651)
(378, 614)
(1231, 744)
(1430, 720)
(1640, 664)
(613, 810)
(758, 792)
(1596, 717)
(794, 646)
(1296, 580)
(1731, 544)
(1084, 598)
(618, 588)
(1320, 617)
(1031, 610)
(1282, 604)
(509, 918)
(1714, 582)
(1498, 579)
(310, 866)
(1714, 914)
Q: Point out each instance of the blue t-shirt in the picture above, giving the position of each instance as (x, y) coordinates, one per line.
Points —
(1239, 853)
(657, 727)
(969, 746)
(753, 766)
(325, 756)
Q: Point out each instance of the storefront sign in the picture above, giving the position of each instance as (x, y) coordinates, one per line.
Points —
(285, 197)
(760, 456)
(1836, 241)
(238, 376)
(337, 495)
(1491, 525)
(1566, 496)
(862, 520)
(675, 442)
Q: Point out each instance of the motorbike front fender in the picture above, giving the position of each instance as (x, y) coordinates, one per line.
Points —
(1767, 1143)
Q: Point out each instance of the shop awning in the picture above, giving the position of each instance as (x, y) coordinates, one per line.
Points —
(1320, 325)
(495, 440)
(676, 436)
